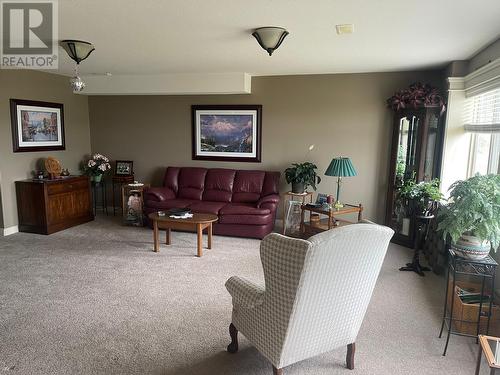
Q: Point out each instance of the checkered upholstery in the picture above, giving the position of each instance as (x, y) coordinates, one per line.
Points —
(245, 293)
(316, 292)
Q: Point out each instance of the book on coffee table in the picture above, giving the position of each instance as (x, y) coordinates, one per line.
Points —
(180, 213)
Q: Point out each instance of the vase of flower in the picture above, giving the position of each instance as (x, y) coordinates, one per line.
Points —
(97, 178)
(96, 167)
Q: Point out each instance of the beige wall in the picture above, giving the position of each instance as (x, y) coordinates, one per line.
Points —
(340, 114)
(485, 55)
(16, 166)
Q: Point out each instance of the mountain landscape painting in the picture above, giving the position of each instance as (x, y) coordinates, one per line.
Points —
(226, 134)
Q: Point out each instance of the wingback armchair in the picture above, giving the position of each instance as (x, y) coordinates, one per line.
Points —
(315, 296)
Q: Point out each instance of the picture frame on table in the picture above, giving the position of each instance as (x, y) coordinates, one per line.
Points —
(124, 168)
(321, 198)
(227, 132)
(37, 126)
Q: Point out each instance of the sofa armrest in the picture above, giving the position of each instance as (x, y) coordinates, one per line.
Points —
(268, 201)
(158, 194)
(245, 293)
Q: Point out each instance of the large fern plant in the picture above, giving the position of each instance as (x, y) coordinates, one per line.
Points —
(473, 208)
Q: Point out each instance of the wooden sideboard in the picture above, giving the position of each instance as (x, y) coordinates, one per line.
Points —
(48, 206)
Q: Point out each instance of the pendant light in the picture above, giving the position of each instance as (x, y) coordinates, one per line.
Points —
(77, 50)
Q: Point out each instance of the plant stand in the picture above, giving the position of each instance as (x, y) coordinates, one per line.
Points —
(421, 231)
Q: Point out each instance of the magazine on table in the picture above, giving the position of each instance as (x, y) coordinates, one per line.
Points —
(180, 213)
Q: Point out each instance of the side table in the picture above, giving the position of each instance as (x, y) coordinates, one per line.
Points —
(421, 229)
(133, 203)
(117, 182)
(483, 268)
(96, 187)
(307, 228)
(291, 196)
(490, 346)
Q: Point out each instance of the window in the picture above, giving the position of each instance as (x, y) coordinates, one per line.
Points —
(483, 121)
(485, 154)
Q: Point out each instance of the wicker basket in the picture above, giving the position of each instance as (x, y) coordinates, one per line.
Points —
(469, 312)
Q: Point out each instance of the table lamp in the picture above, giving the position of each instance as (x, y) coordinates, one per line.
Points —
(340, 167)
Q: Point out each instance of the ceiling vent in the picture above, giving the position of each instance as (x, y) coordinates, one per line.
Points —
(347, 28)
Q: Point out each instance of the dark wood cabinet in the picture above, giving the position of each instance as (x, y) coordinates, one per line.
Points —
(48, 206)
(417, 145)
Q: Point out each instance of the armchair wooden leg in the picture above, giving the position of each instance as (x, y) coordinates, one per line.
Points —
(351, 348)
(233, 332)
(277, 371)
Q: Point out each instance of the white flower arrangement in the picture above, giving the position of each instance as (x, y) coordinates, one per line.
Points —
(97, 165)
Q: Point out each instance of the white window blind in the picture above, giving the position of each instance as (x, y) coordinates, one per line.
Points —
(482, 113)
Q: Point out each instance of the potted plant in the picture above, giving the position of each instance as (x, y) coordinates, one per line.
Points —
(301, 176)
(96, 166)
(422, 195)
(472, 216)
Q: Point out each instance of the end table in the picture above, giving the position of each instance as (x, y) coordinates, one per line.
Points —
(291, 196)
(96, 187)
(490, 346)
(133, 215)
(119, 181)
(485, 270)
(332, 221)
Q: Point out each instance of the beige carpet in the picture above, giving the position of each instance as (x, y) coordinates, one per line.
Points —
(96, 300)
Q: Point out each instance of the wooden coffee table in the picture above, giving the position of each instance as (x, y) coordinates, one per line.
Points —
(198, 222)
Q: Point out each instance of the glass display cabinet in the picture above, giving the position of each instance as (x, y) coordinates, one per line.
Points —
(417, 143)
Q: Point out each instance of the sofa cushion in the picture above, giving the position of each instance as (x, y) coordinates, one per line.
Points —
(191, 183)
(243, 209)
(246, 219)
(170, 203)
(158, 194)
(205, 207)
(271, 183)
(171, 179)
(219, 185)
(248, 186)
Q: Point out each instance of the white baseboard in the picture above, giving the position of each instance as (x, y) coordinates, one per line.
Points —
(10, 230)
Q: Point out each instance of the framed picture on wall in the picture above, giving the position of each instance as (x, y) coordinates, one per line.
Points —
(124, 168)
(36, 126)
(227, 132)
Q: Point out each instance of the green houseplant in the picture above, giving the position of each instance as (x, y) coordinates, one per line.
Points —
(472, 216)
(422, 194)
(302, 175)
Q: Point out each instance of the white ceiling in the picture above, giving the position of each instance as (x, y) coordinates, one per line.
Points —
(213, 36)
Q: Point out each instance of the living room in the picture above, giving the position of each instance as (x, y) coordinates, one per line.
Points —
(373, 96)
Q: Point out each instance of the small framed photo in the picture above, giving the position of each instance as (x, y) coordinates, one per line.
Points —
(227, 132)
(124, 168)
(36, 126)
(321, 198)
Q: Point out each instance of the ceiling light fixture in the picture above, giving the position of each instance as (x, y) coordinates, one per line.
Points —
(270, 37)
(77, 50)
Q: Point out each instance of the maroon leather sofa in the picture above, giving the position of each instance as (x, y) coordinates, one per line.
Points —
(245, 201)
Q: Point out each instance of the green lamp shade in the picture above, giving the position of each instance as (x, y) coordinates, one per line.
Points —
(341, 167)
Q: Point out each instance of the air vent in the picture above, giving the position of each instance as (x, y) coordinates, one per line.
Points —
(347, 28)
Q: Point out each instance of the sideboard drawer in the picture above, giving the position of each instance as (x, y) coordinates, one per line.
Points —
(64, 187)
